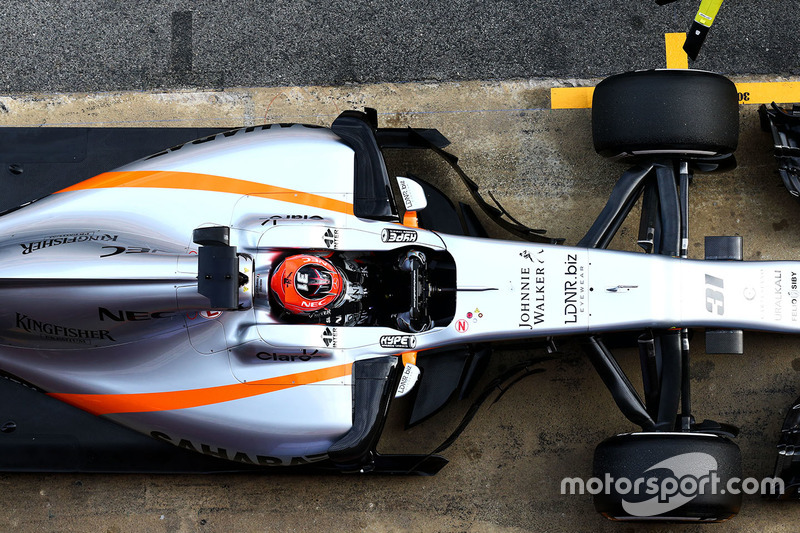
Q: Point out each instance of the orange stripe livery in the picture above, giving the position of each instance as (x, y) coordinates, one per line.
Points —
(104, 404)
(205, 182)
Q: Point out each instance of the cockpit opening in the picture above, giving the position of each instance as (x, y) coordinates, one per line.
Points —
(411, 289)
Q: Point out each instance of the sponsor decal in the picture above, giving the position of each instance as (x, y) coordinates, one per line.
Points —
(398, 341)
(331, 238)
(238, 456)
(116, 250)
(62, 333)
(67, 238)
(398, 235)
(274, 219)
(408, 379)
(329, 337)
(305, 356)
(574, 289)
(131, 316)
(531, 296)
(474, 315)
(405, 193)
(461, 325)
(525, 254)
(794, 295)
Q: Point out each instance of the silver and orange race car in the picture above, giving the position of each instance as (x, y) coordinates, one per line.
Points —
(260, 295)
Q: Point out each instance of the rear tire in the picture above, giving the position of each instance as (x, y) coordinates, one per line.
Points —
(672, 112)
(690, 482)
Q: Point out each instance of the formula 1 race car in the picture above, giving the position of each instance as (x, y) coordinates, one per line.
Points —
(257, 296)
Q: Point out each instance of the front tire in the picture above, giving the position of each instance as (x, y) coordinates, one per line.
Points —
(670, 476)
(665, 112)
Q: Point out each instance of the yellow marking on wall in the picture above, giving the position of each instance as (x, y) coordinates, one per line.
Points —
(676, 57)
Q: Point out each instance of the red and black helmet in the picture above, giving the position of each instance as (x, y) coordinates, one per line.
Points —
(306, 283)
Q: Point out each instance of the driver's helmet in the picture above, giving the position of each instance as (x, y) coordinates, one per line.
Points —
(306, 283)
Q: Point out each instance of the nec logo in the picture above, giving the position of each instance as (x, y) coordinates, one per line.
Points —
(398, 235)
(398, 341)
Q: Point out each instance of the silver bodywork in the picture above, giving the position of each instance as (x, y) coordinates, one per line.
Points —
(101, 307)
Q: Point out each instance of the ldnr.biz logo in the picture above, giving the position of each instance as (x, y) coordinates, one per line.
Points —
(692, 474)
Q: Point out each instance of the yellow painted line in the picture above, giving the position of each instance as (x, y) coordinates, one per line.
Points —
(676, 57)
(571, 97)
(782, 92)
(764, 92)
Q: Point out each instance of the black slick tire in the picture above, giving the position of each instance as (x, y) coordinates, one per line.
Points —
(665, 112)
(680, 477)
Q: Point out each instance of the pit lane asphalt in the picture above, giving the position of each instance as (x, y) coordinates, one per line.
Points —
(86, 45)
(506, 468)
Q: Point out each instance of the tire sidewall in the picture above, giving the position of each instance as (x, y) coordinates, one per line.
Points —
(685, 459)
(665, 112)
